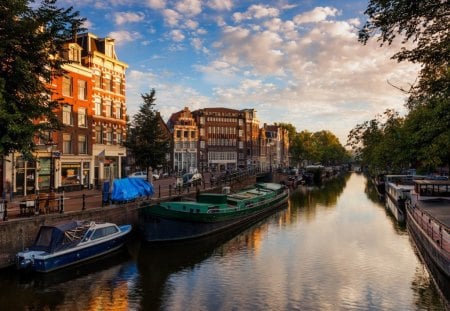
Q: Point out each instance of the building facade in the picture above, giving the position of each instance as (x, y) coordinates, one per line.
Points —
(221, 138)
(89, 148)
(108, 106)
(185, 135)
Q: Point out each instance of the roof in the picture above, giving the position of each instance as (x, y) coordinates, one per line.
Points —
(432, 182)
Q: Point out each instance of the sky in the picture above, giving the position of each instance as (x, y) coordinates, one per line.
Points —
(295, 62)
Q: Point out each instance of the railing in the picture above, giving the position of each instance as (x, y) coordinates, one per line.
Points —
(438, 232)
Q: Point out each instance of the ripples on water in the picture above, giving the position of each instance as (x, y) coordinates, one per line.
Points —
(333, 248)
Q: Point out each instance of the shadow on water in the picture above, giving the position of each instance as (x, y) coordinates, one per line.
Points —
(47, 291)
(156, 263)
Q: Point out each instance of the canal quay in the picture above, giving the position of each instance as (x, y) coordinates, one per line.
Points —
(334, 247)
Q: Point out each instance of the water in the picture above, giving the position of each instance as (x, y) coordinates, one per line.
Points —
(334, 248)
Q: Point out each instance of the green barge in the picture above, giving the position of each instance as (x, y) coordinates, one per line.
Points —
(210, 213)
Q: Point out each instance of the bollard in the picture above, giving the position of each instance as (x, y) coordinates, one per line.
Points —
(62, 204)
(5, 212)
(159, 194)
(170, 190)
(84, 202)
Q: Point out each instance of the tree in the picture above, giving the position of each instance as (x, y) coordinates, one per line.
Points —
(327, 148)
(146, 139)
(30, 39)
(427, 25)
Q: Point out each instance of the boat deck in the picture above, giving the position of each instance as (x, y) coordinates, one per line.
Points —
(438, 209)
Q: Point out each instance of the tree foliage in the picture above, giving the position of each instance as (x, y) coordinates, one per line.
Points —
(146, 139)
(424, 24)
(319, 147)
(30, 38)
(422, 138)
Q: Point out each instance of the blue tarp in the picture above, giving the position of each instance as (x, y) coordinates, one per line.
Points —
(127, 189)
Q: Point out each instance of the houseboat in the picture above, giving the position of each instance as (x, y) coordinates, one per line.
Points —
(428, 212)
(210, 213)
(71, 242)
(397, 190)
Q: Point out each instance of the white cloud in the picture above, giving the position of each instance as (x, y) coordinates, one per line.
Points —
(256, 12)
(191, 24)
(156, 4)
(177, 35)
(318, 76)
(121, 18)
(189, 7)
(220, 5)
(171, 17)
(123, 36)
(316, 15)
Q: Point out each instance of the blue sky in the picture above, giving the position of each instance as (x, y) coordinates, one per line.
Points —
(296, 62)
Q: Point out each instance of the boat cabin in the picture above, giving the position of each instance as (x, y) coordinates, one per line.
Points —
(432, 189)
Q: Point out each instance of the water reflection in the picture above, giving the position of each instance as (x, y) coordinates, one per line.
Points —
(333, 248)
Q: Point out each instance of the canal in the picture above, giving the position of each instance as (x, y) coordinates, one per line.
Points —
(332, 248)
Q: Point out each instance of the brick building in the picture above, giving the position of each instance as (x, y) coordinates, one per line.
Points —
(93, 111)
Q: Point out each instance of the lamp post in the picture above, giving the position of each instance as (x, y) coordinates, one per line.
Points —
(50, 145)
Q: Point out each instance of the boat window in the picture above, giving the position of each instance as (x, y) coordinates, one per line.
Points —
(87, 236)
(45, 237)
(102, 232)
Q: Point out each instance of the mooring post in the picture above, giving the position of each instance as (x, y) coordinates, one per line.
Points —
(84, 202)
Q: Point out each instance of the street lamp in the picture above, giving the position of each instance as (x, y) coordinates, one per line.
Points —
(50, 145)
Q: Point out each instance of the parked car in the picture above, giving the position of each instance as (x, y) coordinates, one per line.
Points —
(155, 176)
(140, 174)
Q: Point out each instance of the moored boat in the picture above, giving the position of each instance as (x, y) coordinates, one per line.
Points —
(210, 213)
(71, 242)
(397, 191)
(428, 212)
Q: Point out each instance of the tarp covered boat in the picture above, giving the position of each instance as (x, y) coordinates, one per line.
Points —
(128, 189)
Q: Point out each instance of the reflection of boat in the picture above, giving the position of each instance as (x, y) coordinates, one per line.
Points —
(211, 213)
(397, 190)
(428, 213)
(69, 243)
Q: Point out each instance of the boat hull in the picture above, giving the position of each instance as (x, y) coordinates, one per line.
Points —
(47, 262)
(440, 257)
(159, 227)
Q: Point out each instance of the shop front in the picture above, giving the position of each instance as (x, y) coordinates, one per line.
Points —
(25, 176)
(74, 175)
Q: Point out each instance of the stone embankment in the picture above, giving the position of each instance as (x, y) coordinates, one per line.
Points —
(19, 231)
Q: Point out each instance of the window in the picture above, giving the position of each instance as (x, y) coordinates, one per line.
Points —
(82, 89)
(107, 105)
(67, 86)
(119, 110)
(82, 117)
(98, 135)
(98, 107)
(119, 137)
(178, 133)
(82, 144)
(109, 136)
(193, 134)
(98, 80)
(67, 143)
(67, 115)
